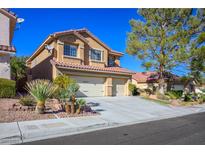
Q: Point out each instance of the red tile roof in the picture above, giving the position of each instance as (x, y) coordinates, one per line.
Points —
(7, 48)
(142, 76)
(114, 70)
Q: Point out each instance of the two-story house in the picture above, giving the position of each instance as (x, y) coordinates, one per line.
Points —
(7, 25)
(85, 58)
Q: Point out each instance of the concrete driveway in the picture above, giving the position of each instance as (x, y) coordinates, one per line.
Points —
(114, 112)
(121, 110)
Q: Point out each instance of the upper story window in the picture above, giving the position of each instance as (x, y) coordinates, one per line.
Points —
(111, 61)
(96, 55)
(70, 50)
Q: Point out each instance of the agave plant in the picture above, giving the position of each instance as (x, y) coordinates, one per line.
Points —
(41, 90)
(80, 103)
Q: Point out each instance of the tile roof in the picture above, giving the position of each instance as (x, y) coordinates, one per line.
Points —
(9, 11)
(91, 34)
(142, 76)
(154, 76)
(7, 48)
(114, 70)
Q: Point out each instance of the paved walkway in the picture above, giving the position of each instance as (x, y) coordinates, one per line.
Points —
(115, 111)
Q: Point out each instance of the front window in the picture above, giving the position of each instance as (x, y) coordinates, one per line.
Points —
(70, 50)
(96, 55)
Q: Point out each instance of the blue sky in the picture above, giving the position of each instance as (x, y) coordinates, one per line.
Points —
(109, 25)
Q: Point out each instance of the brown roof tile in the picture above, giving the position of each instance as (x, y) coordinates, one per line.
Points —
(114, 70)
(7, 48)
(142, 76)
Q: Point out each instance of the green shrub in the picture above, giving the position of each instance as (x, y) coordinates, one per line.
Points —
(7, 88)
(133, 89)
(27, 100)
(63, 81)
(80, 102)
(174, 94)
(188, 97)
(202, 98)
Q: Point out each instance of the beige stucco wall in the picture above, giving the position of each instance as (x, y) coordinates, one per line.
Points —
(5, 70)
(73, 40)
(82, 51)
(95, 45)
(4, 30)
(140, 85)
(41, 67)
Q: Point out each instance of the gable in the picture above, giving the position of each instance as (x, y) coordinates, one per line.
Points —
(93, 43)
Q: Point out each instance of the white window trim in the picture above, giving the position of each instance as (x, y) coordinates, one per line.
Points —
(94, 59)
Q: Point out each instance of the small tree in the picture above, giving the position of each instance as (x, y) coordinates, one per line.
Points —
(162, 40)
(18, 67)
(72, 90)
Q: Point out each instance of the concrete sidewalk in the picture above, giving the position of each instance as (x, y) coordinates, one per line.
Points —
(115, 112)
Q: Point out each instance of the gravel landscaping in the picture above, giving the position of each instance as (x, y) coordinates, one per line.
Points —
(11, 111)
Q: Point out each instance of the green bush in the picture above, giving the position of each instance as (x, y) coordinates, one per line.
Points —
(174, 94)
(133, 89)
(202, 98)
(27, 100)
(7, 88)
(188, 97)
(63, 81)
(80, 102)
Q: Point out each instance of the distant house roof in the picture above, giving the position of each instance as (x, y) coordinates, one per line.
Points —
(113, 70)
(7, 48)
(143, 77)
(76, 32)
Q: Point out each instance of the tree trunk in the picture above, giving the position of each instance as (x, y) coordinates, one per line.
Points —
(73, 105)
(40, 107)
(161, 80)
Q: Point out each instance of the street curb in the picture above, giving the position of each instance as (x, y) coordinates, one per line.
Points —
(102, 127)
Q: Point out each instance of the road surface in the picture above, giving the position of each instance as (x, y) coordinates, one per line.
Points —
(182, 130)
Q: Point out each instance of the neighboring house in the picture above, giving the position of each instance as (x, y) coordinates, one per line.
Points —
(7, 26)
(144, 80)
(82, 56)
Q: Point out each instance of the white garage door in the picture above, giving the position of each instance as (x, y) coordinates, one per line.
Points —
(90, 86)
(118, 87)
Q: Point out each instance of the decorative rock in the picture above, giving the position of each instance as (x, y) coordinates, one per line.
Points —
(175, 102)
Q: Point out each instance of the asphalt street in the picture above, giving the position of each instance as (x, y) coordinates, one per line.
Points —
(175, 131)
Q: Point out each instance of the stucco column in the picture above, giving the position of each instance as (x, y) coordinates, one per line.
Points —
(108, 86)
(60, 50)
(54, 72)
(127, 92)
(81, 52)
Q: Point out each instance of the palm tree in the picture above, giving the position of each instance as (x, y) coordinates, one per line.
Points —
(72, 90)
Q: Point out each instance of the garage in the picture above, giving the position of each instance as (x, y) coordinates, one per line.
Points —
(118, 88)
(89, 86)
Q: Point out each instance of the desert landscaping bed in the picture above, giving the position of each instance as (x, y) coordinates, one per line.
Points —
(12, 111)
(171, 102)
